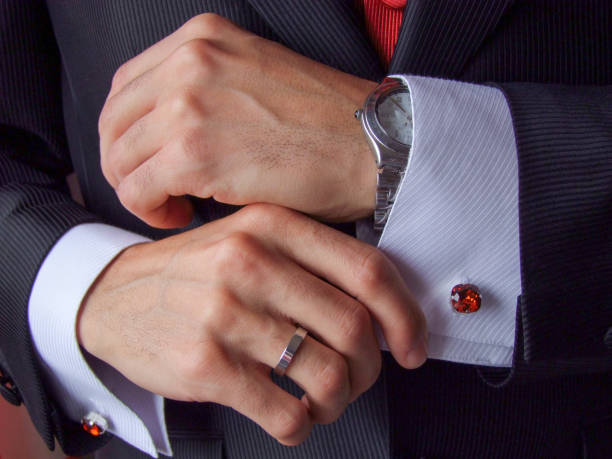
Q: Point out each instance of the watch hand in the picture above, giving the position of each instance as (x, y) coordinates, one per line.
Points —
(397, 103)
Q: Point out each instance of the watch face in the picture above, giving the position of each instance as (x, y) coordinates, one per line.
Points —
(394, 114)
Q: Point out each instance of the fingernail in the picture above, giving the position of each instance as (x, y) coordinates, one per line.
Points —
(418, 354)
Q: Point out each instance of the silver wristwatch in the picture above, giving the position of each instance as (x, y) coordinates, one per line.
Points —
(386, 118)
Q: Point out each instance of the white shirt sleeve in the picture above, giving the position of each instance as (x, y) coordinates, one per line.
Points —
(79, 384)
(455, 219)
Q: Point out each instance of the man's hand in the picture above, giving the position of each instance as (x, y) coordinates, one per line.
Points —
(205, 315)
(213, 110)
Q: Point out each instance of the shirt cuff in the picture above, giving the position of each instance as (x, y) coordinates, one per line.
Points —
(73, 264)
(455, 219)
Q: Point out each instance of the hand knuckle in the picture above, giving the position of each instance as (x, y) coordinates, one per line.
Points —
(112, 162)
(128, 195)
(256, 212)
(116, 158)
(373, 270)
(121, 76)
(184, 103)
(269, 217)
(132, 188)
(239, 252)
(106, 116)
(195, 59)
(204, 25)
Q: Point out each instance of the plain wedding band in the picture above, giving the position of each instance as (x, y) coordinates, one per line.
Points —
(289, 352)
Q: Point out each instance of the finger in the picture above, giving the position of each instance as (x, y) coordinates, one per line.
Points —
(335, 318)
(132, 103)
(272, 284)
(248, 333)
(320, 371)
(205, 26)
(280, 414)
(176, 85)
(323, 375)
(154, 194)
(355, 267)
(141, 140)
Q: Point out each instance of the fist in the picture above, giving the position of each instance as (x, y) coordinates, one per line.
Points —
(215, 111)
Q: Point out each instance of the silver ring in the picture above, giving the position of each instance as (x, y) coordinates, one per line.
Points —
(289, 352)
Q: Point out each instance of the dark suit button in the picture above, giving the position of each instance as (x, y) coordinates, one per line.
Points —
(9, 391)
(608, 338)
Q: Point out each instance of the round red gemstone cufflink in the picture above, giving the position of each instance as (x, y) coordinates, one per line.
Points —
(94, 424)
(465, 298)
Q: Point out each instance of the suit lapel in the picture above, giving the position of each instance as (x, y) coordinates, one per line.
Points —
(326, 30)
(438, 37)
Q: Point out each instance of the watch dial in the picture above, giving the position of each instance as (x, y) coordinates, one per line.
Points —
(394, 113)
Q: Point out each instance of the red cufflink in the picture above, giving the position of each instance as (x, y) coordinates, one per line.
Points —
(94, 424)
(465, 298)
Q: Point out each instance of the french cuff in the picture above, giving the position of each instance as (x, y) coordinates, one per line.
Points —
(73, 264)
(455, 219)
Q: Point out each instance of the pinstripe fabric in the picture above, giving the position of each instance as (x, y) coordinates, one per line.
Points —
(467, 419)
(30, 131)
(195, 447)
(439, 36)
(575, 145)
(328, 31)
(573, 45)
(537, 41)
(361, 432)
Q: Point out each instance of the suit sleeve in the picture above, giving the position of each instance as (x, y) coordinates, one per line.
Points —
(35, 206)
(564, 144)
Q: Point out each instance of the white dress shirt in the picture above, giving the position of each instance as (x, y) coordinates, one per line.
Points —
(455, 221)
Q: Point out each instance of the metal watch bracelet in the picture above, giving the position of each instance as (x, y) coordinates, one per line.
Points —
(390, 148)
(387, 184)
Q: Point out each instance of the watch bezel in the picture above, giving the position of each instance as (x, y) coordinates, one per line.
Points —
(379, 138)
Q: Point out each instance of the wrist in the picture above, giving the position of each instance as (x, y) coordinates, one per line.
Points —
(364, 175)
(92, 319)
(365, 193)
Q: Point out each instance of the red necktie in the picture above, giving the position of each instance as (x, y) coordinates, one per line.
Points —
(383, 19)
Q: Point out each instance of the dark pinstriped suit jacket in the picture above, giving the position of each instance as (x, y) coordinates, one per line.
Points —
(552, 59)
